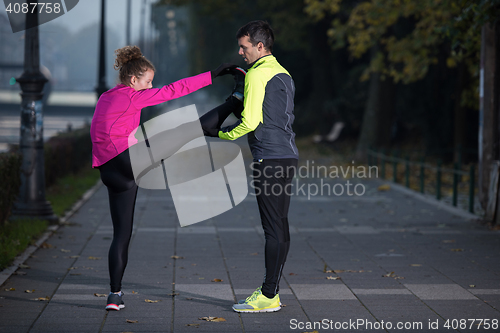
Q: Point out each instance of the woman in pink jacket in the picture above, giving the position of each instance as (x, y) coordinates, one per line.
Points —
(117, 115)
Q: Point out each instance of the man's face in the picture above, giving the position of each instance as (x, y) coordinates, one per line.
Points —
(249, 52)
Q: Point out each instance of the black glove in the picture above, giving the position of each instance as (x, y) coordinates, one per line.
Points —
(212, 132)
(223, 69)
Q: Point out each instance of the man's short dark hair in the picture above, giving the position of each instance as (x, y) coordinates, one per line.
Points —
(258, 31)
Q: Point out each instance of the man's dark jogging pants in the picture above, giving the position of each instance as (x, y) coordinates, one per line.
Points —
(272, 184)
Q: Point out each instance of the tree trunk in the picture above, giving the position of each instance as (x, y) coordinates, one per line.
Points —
(377, 118)
(460, 115)
(489, 108)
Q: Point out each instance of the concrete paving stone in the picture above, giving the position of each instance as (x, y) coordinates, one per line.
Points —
(206, 327)
(11, 320)
(322, 292)
(399, 291)
(462, 309)
(65, 327)
(122, 320)
(14, 329)
(202, 307)
(74, 311)
(135, 327)
(335, 310)
(440, 292)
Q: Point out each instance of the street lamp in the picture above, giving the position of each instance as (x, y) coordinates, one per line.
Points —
(129, 20)
(101, 80)
(31, 202)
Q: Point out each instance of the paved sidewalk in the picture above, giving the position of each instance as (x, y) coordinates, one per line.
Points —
(384, 257)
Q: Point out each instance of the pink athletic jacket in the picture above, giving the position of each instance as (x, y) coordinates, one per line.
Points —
(118, 113)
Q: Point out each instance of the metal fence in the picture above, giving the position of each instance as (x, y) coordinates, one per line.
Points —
(376, 158)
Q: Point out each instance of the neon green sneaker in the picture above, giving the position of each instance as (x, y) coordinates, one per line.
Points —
(257, 302)
(241, 301)
(256, 292)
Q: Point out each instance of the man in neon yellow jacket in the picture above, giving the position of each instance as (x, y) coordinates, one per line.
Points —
(267, 118)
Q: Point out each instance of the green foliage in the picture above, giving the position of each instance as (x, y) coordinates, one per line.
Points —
(10, 181)
(66, 153)
(406, 53)
(16, 236)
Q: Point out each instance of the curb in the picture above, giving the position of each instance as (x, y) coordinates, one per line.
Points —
(438, 204)
(7, 273)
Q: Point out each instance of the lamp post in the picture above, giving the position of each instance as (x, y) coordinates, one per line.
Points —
(129, 20)
(31, 202)
(101, 80)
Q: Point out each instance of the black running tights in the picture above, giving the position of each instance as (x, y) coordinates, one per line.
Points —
(272, 183)
(118, 177)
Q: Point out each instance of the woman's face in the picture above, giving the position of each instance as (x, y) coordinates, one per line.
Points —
(144, 82)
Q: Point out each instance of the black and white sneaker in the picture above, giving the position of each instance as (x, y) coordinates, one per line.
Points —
(115, 302)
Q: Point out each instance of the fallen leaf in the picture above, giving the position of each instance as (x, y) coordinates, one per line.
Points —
(94, 258)
(65, 251)
(74, 267)
(74, 257)
(214, 319)
(29, 291)
(385, 187)
(100, 295)
(337, 271)
(457, 250)
(292, 274)
(134, 292)
(10, 289)
(311, 332)
(46, 298)
(46, 245)
(189, 298)
(24, 266)
(132, 321)
(151, 301)
(217, 280)
(254, 254)
(416, 265)
(472, 285)
(393, 275)
(177, 257)
(333, 278)
(196, 325)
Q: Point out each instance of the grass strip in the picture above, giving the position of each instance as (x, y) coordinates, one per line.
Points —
(17, 235)
(69, 189)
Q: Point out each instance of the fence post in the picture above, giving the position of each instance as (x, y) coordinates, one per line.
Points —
(438, 180)
(422, 175)
(460, 157)
(382, 157)
(455, 183)
(407, 172)
(471, 188)
(394, 168)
